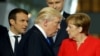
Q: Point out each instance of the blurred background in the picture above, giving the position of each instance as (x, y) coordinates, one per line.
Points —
(91, 7)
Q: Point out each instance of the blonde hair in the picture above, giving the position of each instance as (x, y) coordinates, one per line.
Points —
(80, 20)
(47, 13)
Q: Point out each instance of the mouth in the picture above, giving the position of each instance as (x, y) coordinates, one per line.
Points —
(24, 29)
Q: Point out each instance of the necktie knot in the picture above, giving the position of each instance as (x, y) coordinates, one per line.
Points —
(16, 37)
(50, 40)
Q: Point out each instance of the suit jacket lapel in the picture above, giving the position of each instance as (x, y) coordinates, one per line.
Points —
(8, 45)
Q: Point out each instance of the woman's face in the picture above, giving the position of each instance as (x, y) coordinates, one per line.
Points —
(73, 30)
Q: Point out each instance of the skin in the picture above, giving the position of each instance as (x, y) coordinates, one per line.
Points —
(73, 30)
(57, 4)
(52, 26)
(75, 33)
(19, 25)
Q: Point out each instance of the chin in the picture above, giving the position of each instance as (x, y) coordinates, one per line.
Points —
(23, 32)
(70, 37)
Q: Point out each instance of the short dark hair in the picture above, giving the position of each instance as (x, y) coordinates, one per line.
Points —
(12, 14)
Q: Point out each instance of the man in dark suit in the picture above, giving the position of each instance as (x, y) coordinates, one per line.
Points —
(3, 30)
(46, 25)
(18, 21)
(61, 34)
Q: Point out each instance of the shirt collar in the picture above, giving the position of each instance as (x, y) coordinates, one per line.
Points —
(61, 13)
(11, 34)
(40, 28)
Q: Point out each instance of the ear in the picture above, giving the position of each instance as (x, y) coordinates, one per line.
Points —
(80, 29)
(12, 21)
(45, 23)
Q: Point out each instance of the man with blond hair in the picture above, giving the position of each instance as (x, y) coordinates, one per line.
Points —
(61, 34)
(46, 25)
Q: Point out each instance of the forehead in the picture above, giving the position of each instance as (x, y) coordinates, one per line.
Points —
(55, 19)
(53, 0)
(21, 15)
(71, 22)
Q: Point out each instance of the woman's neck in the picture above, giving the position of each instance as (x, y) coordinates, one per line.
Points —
(80, 39)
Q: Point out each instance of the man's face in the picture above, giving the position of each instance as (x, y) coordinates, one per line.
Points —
(57, 4)
(19, 25)
(53, 26)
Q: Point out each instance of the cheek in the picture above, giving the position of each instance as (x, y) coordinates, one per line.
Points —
(60, 6)
(19, 26)
(74, 33)
(56, 27)
(71, 32)
(50, 6)
(53, 28)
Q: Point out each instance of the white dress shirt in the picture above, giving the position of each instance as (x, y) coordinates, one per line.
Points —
(12, 38)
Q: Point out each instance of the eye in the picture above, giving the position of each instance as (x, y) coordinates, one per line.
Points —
(50, 3)
(69, 27)
(22, 20)
(57, 2)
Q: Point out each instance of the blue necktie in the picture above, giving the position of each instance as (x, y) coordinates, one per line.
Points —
(50, 40)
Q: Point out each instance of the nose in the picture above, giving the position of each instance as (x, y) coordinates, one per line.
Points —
(54, 6)
(59, 26)
(26, 23)
(67, 28)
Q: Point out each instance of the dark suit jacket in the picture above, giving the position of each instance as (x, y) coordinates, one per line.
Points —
(2, 30)
(36, 44)
(61, 35)
(5, 45)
